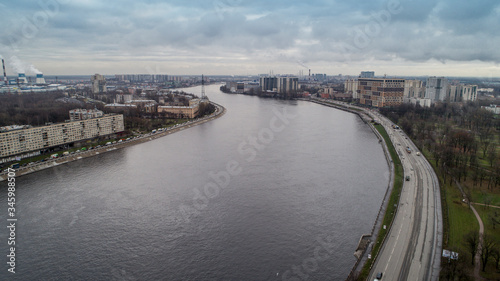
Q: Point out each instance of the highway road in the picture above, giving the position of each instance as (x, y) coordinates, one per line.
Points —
(412, 249)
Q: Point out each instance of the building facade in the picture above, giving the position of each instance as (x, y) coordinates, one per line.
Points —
(367, 74)
(469, 93)
(351, 87)
(148, 78)
(380, 92)
(83, 114)
(288, 84)
(414, 89)
(436, 88)
(269, 84)
(461, 93)
(38, 138)
(190, 111)
(279, 84)
(492, 108)
(98, 84)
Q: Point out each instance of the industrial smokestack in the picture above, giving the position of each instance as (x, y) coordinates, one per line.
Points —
(40, 79)
(4, 73)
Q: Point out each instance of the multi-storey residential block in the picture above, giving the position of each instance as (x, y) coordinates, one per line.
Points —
(351, 87)
(83, 114)
(190, 111)
(461, 93)
(436, 88)
(37, 138)
(414, 89)
(380, 92)
(98, 84)
(279, 84)
(469, 93)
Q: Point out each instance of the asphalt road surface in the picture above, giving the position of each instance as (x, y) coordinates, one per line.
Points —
(412, 248)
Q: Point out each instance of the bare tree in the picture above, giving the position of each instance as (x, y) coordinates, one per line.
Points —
(488, 247)
(454, 269)
(496, 256)
(471, 243)
(492, 154)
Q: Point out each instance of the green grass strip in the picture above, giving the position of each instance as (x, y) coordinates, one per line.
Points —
(391, 206)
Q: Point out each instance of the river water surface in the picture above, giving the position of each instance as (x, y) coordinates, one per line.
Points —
(304, 183)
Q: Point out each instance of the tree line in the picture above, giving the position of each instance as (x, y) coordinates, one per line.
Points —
(463, 139)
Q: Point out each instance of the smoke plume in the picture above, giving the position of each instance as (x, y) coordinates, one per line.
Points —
(22, 67)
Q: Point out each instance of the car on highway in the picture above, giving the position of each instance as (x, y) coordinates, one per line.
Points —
(378, 277)
(407, 178)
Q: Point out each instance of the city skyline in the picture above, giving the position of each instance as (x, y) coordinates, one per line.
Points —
(221, 37)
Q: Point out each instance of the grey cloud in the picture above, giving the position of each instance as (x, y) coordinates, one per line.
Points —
(309, 31)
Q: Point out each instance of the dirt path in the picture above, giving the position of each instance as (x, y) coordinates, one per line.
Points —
(493, 206)
(477, 258)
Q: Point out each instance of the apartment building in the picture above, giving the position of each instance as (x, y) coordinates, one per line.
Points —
(380, 92)
(436, 88)
(279, 84)
(190, 111)
(83, 114)
(98, 84)
(37, 138)
(351, 87)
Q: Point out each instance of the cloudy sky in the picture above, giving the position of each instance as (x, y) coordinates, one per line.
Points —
(394, 37)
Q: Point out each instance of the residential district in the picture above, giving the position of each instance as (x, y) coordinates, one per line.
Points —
(450, 120)
(154, 96)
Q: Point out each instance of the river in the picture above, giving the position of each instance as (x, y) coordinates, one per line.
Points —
(272, 190)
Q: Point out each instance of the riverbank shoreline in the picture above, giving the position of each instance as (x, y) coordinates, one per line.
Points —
(219, 112)
(367, 240)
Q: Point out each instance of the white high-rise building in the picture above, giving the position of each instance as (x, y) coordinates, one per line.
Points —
(351, 87)
(288, 84)
(98, 84)
(414, 89)
(436, 88)
(469, 93)
(462, 93)
(279, 84)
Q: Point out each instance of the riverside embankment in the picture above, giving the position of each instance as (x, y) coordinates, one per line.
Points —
(220, 110)
(366, 241)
